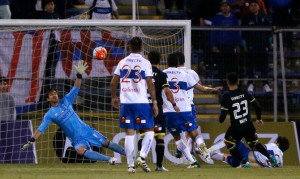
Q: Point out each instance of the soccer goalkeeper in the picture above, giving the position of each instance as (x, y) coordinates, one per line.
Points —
(81, 134)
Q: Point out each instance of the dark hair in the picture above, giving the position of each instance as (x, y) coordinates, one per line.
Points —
(181, 58)
(172, 60)
(51, 90)
(232, 78)
(254, 1)
(154, 57)
(2, 79)
(135, 44)
(283, 142)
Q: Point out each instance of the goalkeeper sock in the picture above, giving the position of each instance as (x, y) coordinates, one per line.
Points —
(116, 148)
(147, 143)
(92, 155)
(129, 148)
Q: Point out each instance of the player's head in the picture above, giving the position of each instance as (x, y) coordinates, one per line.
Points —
(172, 60)
(181, 58)
(135, 44)
(52, 96)
(232, 79)
(154, 57)
(283, 143)
(3, 84)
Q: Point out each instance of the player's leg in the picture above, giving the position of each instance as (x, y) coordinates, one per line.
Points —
(85, 151)
(127, 123)
(114, 147)
(252, 141)
(231, 140)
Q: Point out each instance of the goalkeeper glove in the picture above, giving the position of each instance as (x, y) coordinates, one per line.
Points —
(81, 67)
(29, 144)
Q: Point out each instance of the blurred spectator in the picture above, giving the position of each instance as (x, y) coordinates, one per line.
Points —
(23, 9)
(225, 43)
(7, 103)
(102, 9)
(4, 9)
(256, 45)
(169, 5)
(49, 12)
(241, 7)
(72, 10)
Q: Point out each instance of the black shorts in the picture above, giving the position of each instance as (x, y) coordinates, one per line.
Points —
(160, 123)
(235, 135)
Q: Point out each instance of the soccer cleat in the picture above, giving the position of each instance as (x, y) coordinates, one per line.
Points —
(204, 152)
(142, 163)
(178, 153)
(273, 161)
(131, 169)
(244, 165)
(267, 88)
(250, 88)
(161, 169)
(194, 165)
(112, 161)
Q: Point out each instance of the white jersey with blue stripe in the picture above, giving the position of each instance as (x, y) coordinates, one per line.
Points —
(66, 118)
(194, 75)
(133, 71)
(180, 82)
(272, 149)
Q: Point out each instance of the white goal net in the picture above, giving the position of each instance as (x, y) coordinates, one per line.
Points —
(38, 55)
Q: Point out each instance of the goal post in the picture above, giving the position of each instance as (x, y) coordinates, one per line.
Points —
(36, 55)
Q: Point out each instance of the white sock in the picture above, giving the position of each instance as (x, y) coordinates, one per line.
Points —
(190, 144)
(217, 156)
(199, 140)
(147, 143)
(129, 148)
(181, 146)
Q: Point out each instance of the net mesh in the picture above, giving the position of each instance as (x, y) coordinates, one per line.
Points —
(37, 58)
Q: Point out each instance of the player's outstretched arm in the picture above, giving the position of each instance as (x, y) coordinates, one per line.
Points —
(207, 89)
(80, 68)
(35, 136)
(170, 98)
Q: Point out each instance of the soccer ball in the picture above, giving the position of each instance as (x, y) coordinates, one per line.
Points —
(100, 53)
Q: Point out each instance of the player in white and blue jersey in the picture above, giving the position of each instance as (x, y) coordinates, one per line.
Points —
(200, 144)
(176, 123)
(80, 134)
(255, 158)
(134, 73)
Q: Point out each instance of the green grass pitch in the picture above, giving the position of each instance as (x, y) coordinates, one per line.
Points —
(104, 171)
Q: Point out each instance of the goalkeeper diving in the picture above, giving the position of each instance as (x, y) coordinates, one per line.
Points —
(80, 134)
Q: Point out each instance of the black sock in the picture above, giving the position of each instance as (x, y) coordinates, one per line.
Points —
(160, 150)
(140, 144)
(259, 147)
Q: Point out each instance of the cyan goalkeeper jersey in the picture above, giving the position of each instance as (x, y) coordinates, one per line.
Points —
(66, 118)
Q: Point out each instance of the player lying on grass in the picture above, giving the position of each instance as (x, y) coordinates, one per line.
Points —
(81, 134)
(255, 158)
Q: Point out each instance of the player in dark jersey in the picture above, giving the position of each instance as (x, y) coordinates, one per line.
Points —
(235, 102)
(161, 84)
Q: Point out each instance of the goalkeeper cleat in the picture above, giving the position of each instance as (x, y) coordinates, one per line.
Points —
(204, 153)
(131, 169)
(273, 161)
(178, 153)
(112, 161)
(142, 163)
(194, 165)
(161, 169)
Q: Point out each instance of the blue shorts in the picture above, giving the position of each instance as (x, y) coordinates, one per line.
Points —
(244, 151)
(136, 116)
(194, 111)
(93, 138)
(178, 122)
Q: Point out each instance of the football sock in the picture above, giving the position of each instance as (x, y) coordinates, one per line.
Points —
(140, 144)
(160, 151)
(184, 149)
(217, 156)
(190, 144)
(199, 140)
(147, 143)
(259, 147)
(129, 148)
(116, 148)
(92, 155)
